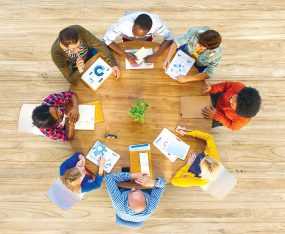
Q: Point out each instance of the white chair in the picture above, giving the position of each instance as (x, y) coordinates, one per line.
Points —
(61, 196)
(25, 122)
(221, 186)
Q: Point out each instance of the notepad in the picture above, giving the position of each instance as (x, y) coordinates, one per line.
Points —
(96, 74)
(180, 65)
(144, 164)
(171, 146)
(101, 150)
(140, 54)
(86, 118)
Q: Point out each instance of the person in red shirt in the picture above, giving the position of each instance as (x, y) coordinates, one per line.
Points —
(233, 104)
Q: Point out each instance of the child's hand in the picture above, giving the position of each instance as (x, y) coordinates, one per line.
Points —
(191, 158)
(131, 58)
(181, 130)
(207, 88)
(80, 65)
(208, 112)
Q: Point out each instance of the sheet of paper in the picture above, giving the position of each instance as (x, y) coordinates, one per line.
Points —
(101, 150)
(142, 53)
(97, 73)
(86, 118)
(180, 65)
(144, 163)
(171, 146)
(141, 64)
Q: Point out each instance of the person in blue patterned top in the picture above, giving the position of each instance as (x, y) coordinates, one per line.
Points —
(134, 206)
(204, 45)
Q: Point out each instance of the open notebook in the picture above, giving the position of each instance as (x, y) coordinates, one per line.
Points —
(140, 54)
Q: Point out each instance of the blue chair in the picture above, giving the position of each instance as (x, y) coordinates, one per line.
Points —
(128, 224)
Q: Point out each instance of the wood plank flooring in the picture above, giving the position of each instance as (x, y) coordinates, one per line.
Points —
(253, 40)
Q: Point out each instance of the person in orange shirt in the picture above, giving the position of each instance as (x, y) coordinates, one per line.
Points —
(233, 104)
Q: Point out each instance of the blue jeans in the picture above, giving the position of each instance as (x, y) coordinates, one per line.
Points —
(199, 68)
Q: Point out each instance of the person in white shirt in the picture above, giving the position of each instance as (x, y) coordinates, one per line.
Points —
(138, 26)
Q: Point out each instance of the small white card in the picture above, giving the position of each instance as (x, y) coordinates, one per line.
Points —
(180, 65)
(86, 118)
(171, 146)
(97, 73)
(144, 163)
(140, 54)
(101, 150)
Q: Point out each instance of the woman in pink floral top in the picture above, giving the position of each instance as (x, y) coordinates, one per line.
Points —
(57, 115)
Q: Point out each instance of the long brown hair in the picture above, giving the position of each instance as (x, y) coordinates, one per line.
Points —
(210, 164)
(69, 177)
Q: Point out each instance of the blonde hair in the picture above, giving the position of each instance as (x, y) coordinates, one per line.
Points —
(210, 166)
(70, 176)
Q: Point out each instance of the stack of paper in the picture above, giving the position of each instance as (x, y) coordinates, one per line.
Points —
(101, 150)
(171, 146)
(96, 74)
(140, 55)
(86, 118)
(180, 65)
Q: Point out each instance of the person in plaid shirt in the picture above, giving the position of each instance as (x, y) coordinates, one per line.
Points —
(57, 115)
(134, 206)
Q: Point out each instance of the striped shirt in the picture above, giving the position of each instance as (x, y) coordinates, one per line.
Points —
(73, 56)
(119, 197)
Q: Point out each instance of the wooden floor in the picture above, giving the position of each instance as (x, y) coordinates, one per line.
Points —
(254, 52)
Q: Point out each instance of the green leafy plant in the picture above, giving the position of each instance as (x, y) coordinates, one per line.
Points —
(137, 110)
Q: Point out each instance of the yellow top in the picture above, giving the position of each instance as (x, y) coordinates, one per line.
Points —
(183, 178)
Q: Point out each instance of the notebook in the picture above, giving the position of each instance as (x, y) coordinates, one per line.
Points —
(140, 54)
(96, 74)
(180, 65)
(86, 117)
(171, 146)
(140, 159)
(99, 150)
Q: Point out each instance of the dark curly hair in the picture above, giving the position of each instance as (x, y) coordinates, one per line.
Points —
(248, 102)
(144, 21)
(42, 117)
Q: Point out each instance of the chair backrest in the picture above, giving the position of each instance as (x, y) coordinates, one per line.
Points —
(128, 224)
(60, 195)
(222, 185)
(25, 122)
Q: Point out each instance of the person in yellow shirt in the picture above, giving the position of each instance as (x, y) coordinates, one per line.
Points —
(200, 167)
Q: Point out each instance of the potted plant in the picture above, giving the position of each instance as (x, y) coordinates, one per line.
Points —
(138, 109)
